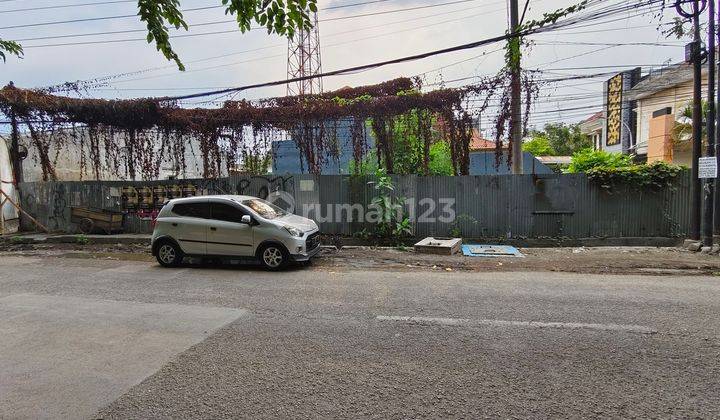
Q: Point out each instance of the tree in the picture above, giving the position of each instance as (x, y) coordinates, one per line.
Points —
(681, 133)
(538, 146)
(283, 17)
(564, 139)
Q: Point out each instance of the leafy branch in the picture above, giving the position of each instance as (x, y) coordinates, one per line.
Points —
(10, 47)
(277, 16)
(283, 17)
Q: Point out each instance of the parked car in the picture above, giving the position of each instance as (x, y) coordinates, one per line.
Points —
(233, 226)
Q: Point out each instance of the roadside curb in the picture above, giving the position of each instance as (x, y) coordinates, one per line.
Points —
(76, 239)
(352, 243)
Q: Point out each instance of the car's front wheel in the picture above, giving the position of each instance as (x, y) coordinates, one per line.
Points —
(169, 255)
(273, 257)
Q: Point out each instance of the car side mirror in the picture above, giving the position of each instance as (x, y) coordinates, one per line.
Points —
(246, 219)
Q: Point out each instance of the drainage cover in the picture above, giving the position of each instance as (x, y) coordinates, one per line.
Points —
(491, 251)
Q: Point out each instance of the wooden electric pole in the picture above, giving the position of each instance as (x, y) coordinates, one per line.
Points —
(515, 93)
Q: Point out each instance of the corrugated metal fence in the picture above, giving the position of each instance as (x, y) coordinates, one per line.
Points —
(508, 206)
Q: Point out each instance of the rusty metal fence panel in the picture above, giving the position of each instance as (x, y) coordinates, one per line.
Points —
(489, 206)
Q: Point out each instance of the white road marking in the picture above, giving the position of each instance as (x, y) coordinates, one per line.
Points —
(639, 329)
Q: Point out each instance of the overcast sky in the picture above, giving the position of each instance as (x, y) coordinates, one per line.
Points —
(345, 41)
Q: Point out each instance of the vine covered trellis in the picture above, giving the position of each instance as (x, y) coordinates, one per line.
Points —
(136, 136)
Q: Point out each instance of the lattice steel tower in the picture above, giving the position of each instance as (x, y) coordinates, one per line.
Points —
(304, 60)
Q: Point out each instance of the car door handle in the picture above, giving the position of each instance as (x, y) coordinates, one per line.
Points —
(174, 224)
(213, 228)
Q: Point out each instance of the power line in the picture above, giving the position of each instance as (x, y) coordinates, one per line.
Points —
(194, 25)
(437, 69)
(63, 6)
(222, 6)
(235, 30)
(342, 6)
(614, 44)
(60, 22)
(587, 17)
(424, 55)
(142, 71)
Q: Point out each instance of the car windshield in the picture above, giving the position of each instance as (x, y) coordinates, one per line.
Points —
(265, 209)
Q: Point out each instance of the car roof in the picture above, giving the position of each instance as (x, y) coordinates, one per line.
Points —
(197, 198)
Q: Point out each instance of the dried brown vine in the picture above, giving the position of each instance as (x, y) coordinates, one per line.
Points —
(139, 135)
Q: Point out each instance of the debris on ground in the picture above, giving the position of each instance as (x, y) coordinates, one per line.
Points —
(600, 260)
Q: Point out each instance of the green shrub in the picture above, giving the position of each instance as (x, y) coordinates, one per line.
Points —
(393, 224)
(614, 169)
(656, 175)
(589, 159)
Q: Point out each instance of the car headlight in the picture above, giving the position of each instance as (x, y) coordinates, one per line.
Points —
(294, 231)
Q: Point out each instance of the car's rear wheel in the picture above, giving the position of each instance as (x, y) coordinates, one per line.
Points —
(274, 257)
(168, 254)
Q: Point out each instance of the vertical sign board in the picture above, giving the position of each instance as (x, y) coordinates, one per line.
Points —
(614, 109)
(707, 167)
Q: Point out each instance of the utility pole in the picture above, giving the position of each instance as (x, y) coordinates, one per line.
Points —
(515, 93)
(696, 210)
(708, 224)
(716, 220)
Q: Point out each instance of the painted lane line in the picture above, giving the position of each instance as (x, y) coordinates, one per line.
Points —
(639, 329)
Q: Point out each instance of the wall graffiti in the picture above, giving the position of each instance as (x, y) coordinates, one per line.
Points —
(58, 204)
(261, 186)
(146, 201)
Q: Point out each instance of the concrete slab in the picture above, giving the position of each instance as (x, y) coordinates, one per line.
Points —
(67, 357)
(440, 246)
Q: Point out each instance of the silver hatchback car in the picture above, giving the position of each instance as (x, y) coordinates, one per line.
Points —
(232, 226)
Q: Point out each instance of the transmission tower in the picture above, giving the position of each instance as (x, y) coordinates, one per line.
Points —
(304, 60)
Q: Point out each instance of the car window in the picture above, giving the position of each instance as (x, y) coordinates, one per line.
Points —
(264, 209)
(226, 212)
(200, 210)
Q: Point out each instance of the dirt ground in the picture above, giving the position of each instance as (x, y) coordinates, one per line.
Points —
(599, 260)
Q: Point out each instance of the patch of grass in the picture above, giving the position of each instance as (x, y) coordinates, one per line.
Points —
(81, 239)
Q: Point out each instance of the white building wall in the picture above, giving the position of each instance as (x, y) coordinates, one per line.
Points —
(676, 98)
(67, 166)
(8, 212)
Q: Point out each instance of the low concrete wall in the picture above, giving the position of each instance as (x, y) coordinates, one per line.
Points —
(503, 207)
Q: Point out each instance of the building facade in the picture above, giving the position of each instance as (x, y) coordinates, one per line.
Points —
(661, 100)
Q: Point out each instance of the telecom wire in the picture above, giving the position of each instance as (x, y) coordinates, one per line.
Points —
(142, 71)
(92, 19)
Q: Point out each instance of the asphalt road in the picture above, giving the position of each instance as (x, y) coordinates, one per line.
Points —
(123, 339)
